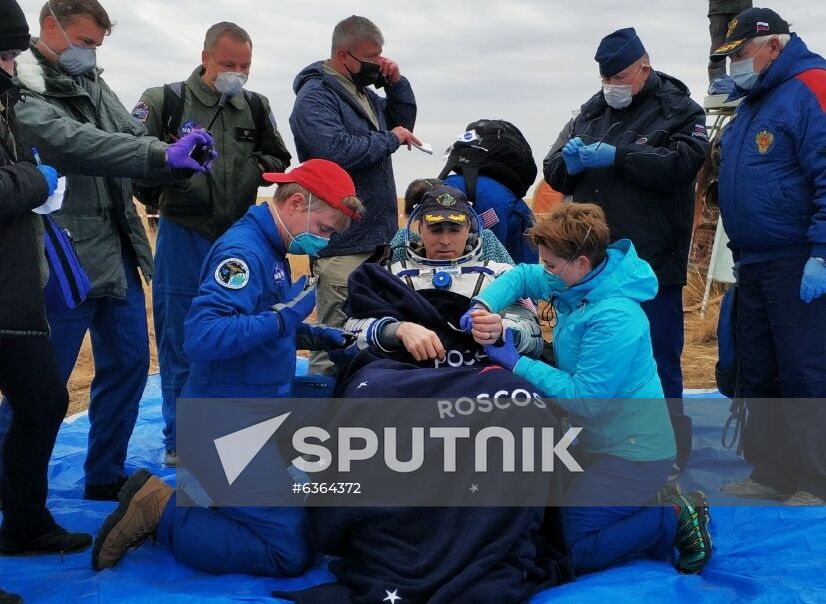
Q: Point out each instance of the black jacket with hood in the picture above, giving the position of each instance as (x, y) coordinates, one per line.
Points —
(648, 194)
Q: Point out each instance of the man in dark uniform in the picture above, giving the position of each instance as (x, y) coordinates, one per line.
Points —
(635, 150)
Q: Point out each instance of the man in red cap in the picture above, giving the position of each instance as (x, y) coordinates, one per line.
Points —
(240, 336)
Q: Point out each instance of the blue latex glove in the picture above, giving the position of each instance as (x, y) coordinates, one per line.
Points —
(177, 154)
(504, 354)
(466, 321)
(319, 337)
(301, 304)
(813, 283)
(50, 174)
(598, 155)
(570, 153)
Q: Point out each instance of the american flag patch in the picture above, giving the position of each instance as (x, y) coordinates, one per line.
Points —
(762, 26)
(489, 218)
(527, 303)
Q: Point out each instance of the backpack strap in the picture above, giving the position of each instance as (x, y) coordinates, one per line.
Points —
(174, 96)
(259, 115)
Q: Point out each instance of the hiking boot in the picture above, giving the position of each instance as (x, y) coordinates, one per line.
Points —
(170, 458)
(56, 540)
(804, 498)
(104, 492)
(693, 540)
(141, 503)
(7, 597)
(753, 490)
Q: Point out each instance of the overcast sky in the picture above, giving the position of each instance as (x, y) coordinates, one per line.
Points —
(527, 61)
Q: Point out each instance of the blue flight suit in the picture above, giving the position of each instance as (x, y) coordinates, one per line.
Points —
(233, 340)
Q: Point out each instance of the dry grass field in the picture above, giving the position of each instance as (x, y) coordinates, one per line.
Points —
(699, 354)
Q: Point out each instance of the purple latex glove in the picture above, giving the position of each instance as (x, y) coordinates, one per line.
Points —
(177, 154)
(504, 354)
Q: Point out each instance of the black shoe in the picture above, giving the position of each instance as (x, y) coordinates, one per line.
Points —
(9, 598)
(103, 492)
(55, 541)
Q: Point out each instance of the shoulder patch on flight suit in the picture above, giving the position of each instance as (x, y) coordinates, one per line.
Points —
(232, 273)
(141, 111)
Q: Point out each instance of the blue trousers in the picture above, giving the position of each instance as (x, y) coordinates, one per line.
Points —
(781, 350)
(120, 347)
(179, 254)
(269, 541)
(257, 541)
(665, 315)
(599, 537)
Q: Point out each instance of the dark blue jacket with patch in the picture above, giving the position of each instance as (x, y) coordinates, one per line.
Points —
(773, 172)
(328, 123)
(504, 213)
(232, 336)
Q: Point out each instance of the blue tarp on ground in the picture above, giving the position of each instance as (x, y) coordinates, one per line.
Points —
(763, 554)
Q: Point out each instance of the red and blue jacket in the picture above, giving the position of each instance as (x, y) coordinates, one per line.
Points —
(772, 185)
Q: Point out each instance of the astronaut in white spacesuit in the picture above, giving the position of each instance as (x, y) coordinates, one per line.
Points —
(447, 255)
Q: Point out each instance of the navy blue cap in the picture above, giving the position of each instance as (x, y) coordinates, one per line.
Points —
(618, 50)
(751, 23)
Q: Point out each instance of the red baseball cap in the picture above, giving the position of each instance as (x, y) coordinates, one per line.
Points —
(325, 179)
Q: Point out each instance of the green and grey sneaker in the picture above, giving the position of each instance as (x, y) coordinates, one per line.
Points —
(667, 493)
(693, 540)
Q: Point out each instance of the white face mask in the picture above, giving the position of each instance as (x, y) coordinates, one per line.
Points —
(230, 83)
(619, 96)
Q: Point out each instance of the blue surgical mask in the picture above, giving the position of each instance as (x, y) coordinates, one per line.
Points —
(742, 72)
(75, 60)
(307, 242)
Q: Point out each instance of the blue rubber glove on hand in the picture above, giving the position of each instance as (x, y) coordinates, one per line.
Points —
(319, 337)
(813, 283)
(466, 321)
(50, 174)
(570, 153)
(598, 155)
(301, 304)
(504, 354)
(177, 154)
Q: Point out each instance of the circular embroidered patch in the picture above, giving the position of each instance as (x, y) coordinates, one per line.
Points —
(188, 127)
(232, 273)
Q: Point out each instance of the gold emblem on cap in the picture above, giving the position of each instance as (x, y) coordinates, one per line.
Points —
(446, 199)
(731, 27)
(729, 46)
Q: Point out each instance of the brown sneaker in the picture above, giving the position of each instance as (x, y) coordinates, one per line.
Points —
(141, 503)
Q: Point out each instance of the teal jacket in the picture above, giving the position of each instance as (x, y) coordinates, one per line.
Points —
(602, 343)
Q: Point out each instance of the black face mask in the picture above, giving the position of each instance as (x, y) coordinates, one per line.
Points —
(8, 91)
(369, 74)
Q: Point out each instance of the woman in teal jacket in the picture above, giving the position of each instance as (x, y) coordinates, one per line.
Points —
(606, 379)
